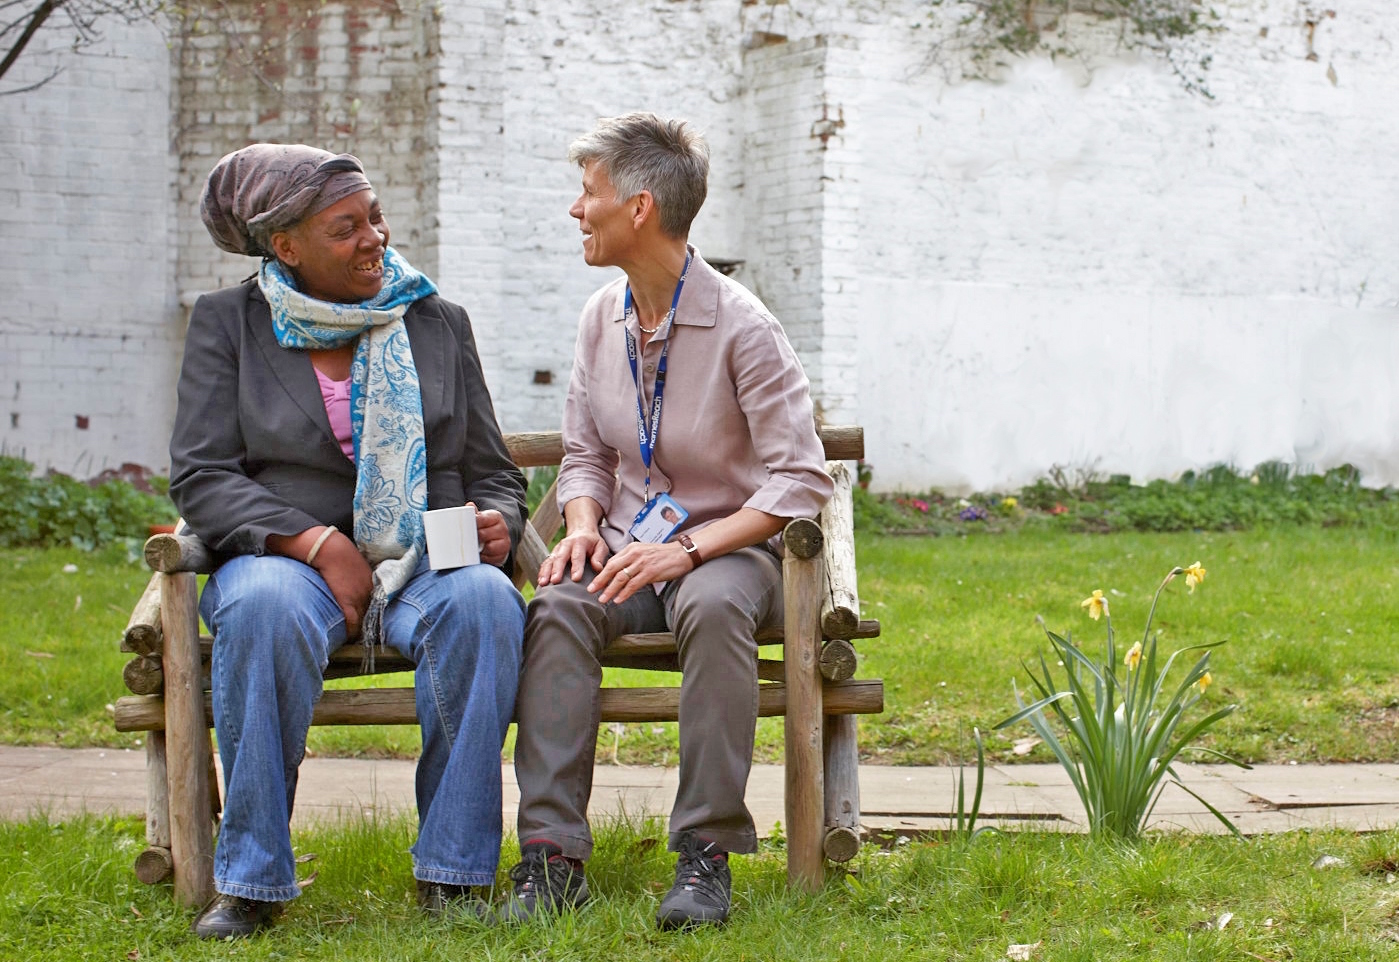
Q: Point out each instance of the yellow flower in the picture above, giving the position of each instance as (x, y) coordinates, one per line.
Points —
(1134, 656)
(1204, 681)
(1010, 502)
(1194, 574)
(1097, 605)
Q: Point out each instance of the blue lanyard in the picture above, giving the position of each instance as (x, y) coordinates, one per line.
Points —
(647, 440)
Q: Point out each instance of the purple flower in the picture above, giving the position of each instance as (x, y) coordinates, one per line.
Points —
(973, 513)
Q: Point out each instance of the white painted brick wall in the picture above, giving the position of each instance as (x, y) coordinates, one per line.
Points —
(1123, 275)
(470, 102)
(243, 80)
(995, 277)
(89, 331)
(561, 67)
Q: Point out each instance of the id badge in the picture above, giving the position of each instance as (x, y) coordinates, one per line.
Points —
(658, 519)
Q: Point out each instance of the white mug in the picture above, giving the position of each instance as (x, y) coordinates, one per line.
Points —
(451, 537)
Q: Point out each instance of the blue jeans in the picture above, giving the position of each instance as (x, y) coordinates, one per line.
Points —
(275, 625)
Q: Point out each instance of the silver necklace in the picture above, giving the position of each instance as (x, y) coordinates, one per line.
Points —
(673, 302)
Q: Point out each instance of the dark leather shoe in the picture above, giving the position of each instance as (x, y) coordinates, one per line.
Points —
(232, 917)
(441, 900)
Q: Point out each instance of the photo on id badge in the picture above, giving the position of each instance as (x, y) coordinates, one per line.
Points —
(658, 519)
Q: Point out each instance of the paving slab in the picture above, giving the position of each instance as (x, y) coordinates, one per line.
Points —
(334, 788)
(911, 825)
(1201, 822)
(1275, 798)
(1352, 818)
(61, 782)
(1308, 786)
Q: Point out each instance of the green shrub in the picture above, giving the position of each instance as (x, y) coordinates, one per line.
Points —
(1216, 499)
(58, 510)
(539, 481)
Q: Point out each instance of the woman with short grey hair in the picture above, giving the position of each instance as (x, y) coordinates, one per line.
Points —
(689, 442)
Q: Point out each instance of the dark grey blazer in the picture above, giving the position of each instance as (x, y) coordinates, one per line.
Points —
(253, 454)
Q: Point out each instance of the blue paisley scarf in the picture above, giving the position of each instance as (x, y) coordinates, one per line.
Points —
(386, 414)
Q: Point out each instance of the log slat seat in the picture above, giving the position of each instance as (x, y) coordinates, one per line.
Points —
(811, 685)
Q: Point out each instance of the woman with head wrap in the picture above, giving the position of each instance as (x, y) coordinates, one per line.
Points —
(324, 405)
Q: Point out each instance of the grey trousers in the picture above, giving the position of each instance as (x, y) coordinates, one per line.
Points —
(713, 611)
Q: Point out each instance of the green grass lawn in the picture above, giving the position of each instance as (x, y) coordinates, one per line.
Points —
(67, 893)
(59, 660)
(1307, 614)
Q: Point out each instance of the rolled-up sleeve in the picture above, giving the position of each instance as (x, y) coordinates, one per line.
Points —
(737, 429)
(775, 397)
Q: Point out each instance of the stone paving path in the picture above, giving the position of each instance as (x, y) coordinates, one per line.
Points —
(1270, 798)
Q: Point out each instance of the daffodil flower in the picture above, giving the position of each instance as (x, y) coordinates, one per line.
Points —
(1010, 502)
(1124, 721)
(1097, 605)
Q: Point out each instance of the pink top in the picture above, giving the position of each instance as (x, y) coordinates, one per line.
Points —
(336, 395)
(737, 427)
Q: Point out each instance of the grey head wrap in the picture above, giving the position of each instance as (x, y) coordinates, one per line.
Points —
(255, 192)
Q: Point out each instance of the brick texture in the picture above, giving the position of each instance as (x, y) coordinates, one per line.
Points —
(1066, 265)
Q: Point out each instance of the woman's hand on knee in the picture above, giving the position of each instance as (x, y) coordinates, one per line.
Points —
(640, 564)
(349, 578)
(571, 557)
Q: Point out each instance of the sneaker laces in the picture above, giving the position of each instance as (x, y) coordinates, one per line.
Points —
(704, 867)
(540, 868)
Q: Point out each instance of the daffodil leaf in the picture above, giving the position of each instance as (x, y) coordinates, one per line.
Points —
(1029, 710)
(1227, 822)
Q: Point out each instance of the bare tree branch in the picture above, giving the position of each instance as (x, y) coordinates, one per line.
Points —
(41, 13)
(82, 18)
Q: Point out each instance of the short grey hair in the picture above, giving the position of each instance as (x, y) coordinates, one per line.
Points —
(640, 151)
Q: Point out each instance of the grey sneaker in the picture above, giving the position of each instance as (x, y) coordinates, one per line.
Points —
(703, 886)
(545, 882)
(440, 900)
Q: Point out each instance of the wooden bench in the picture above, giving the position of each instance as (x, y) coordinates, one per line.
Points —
(812, 686)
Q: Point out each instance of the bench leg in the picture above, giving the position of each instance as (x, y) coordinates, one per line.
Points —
(842, 787)
(215, 799)
(803, 588)
(154, 863)
(186, 743)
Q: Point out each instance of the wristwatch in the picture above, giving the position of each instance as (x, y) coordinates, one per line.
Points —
(692, 550)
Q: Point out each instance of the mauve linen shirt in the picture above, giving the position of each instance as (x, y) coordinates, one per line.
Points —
(737, 428)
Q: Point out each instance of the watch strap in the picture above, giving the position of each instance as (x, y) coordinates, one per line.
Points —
(691, 549)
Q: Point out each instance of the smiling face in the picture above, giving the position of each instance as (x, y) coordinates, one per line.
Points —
(338, 254)
(605, 219)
